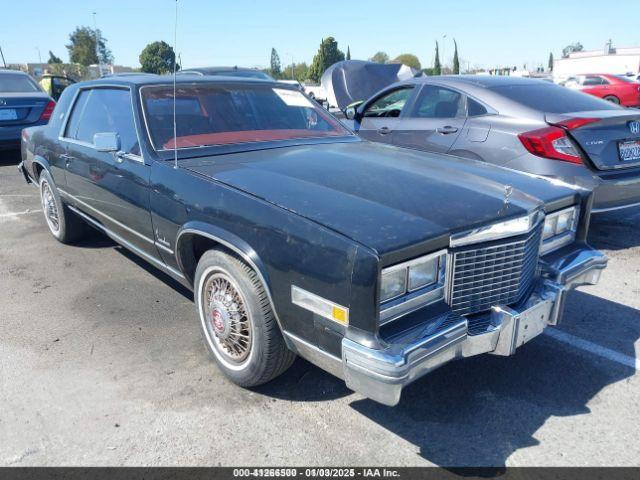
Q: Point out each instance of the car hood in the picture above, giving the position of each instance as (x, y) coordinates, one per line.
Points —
(383, 197)
(351, 81)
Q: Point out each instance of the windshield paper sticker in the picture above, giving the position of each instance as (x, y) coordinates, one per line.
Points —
(292, 98)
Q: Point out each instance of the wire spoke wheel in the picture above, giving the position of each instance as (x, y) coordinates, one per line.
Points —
(49, 207)
(227, 320)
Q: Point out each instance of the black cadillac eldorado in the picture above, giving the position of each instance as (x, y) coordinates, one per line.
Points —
(376, 263)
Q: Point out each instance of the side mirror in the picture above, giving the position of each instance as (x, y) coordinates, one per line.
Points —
(106, 142)
(351, 112)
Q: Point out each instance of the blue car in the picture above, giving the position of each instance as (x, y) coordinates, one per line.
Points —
(22, 104)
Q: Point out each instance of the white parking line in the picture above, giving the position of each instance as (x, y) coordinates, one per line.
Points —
(594, 348)
(16, 214)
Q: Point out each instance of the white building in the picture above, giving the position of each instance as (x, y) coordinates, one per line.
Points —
(616, 61)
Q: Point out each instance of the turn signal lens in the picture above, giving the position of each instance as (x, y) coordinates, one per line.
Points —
(320, 306)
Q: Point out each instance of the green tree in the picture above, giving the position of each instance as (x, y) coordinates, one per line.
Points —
(53, 59)
(408, 59)
(456, 60)
(574, 47)
(82, 48)
(348, 53)
(550, 61)
(275, 64)
(380, 57)
(327, 55)
(158, 57)
(437, 66)
(300, 72)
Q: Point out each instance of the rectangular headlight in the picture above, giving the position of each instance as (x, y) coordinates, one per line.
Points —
(393, 283)
(423, 273)
(412, 285)
(559, 229)
(412, 276)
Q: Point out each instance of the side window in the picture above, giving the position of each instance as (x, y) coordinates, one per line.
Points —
(75, 115)
(475, 109)
(389, 105)
(593, 80)
(438, 102)
(107, 110)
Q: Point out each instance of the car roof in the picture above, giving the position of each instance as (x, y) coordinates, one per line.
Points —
(482, 81)
(220, 69)
(142, 80)
(13, 72)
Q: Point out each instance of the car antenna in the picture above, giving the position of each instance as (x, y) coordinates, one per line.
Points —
(175, 127)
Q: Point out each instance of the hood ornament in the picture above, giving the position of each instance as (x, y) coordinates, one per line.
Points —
(508, 191)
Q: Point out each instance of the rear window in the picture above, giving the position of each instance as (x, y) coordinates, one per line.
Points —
(553, 99)
(11, 83)
(209, 115)
(241, 73)
(625, 78)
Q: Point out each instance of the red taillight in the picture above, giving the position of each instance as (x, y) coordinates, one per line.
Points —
(550, 142)
(48, 110)
(573, 123)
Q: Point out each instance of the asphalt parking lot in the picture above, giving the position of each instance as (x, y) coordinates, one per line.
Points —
(102, 364)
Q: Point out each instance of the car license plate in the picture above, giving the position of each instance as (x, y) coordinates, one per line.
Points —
(8, 114)
(532, 322)
(629, 151)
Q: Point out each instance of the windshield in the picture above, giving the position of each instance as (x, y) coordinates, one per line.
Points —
(553, 99)
(12, 83)
(222, 115)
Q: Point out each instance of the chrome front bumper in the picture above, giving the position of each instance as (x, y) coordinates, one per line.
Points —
(381, 374)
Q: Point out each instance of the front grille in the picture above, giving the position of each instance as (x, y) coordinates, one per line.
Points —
(495, 273)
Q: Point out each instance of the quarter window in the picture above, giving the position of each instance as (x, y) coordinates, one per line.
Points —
(438, 102)
(475, 109)
(104, 110)
(390, 104)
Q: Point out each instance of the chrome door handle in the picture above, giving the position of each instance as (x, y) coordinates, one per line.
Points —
(446, 130)
(384, 130)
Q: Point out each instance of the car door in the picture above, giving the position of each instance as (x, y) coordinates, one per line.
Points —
(112, 187)
(433, 122)
(378, 119)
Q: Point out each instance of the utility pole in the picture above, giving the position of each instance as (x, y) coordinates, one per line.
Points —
(2, 55)
(39, 55)
(95, 30)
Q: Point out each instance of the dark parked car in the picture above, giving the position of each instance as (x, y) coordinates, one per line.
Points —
(376, 263)
(22, 104)
(519, 123)
(227, 72)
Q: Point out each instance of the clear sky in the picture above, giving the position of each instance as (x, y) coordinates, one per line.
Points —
(241, 32)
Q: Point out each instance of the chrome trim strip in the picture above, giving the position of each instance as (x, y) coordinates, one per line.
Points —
(613, 209)
(158, 263)
(163, 247)
(394, 312)
(105, 216)
(62, 138)
(497, 231)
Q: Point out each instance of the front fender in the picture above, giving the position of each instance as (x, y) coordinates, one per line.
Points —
(225, 238)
